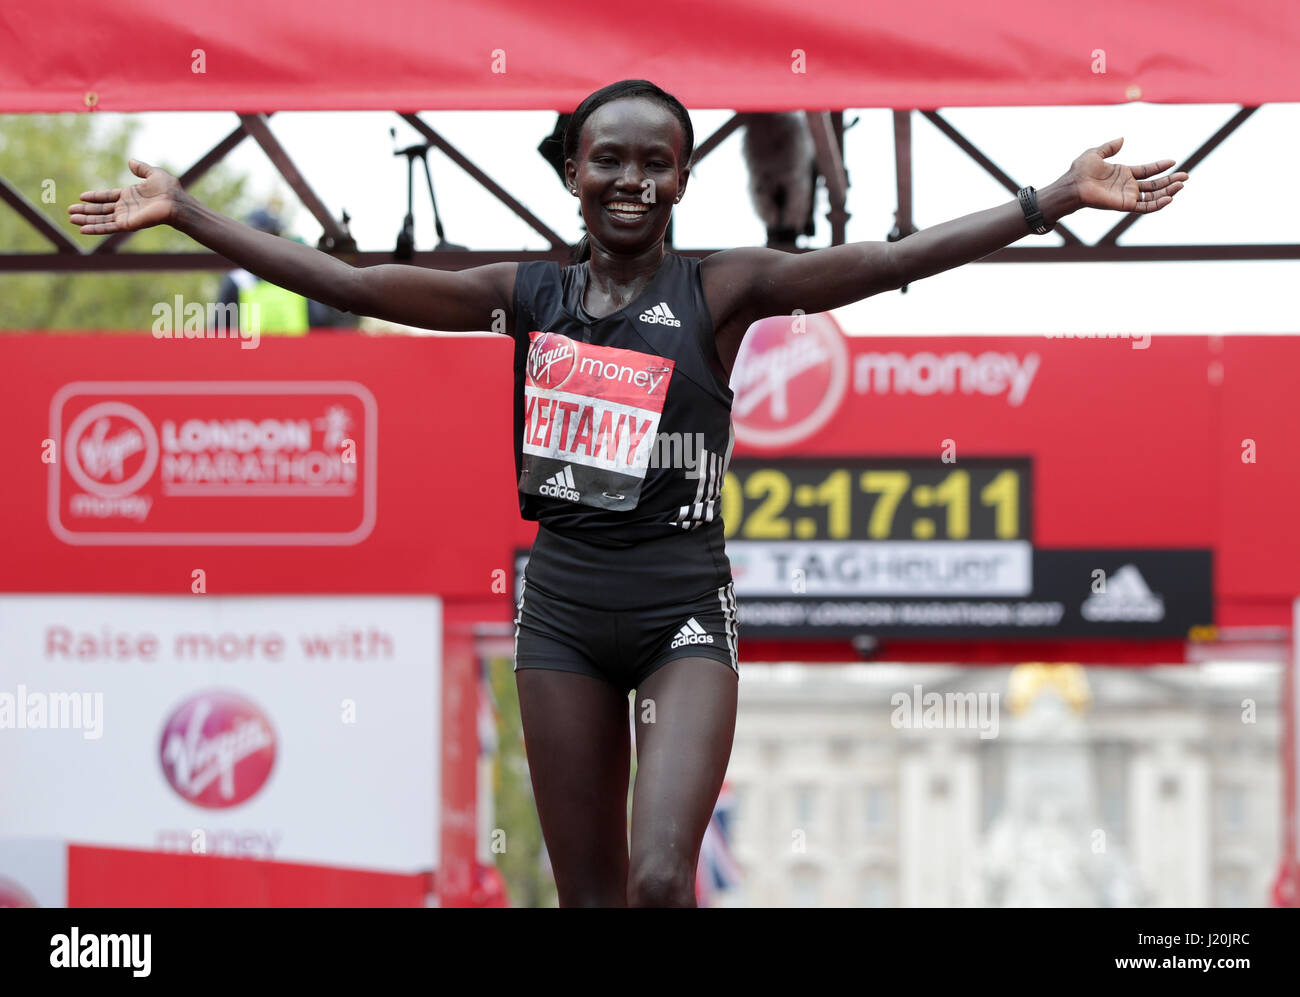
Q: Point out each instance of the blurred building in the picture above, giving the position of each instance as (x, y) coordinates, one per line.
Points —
(1074, 787)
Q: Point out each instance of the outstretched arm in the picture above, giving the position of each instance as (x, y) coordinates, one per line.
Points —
(451, 301)
(750, 284)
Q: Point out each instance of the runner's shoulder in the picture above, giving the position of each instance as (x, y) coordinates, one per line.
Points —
(730, 276)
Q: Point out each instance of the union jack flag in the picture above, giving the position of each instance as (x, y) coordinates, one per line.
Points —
(718, 869)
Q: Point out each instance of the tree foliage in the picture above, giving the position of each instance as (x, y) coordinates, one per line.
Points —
(523, 863)
(50, 159)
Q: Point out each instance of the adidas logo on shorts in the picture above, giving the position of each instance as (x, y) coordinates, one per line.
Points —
(660, 314)
(692, 633)
(560, 485)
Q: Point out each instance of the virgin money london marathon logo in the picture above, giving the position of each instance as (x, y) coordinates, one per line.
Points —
(210, 461)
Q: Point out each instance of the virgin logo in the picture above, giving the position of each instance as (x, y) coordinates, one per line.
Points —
(13, 895)
(789, 379)
(551, 359)
(111, 449)
(217, 749)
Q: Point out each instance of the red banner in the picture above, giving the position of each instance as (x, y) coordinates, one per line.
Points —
(766, 55)
(1186, 443)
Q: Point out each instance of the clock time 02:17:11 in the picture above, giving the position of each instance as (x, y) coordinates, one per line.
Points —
(812, 502)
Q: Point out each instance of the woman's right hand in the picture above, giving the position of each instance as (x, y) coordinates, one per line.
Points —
(127, 209)
(471, 300)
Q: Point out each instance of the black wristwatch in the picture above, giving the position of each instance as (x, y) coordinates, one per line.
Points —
(1029, 205)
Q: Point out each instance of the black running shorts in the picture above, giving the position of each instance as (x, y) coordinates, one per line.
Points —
(621, 615)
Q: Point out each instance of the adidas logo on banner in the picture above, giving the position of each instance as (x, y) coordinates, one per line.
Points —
(660, 314)
(1127, 598)
(692, 633)
(561, 485)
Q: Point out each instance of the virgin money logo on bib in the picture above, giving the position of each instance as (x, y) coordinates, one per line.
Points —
(217, 749)
(551, 359)
(789, 379)
(591, 416)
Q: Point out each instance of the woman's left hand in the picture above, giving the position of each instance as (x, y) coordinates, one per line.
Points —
(1122, 188)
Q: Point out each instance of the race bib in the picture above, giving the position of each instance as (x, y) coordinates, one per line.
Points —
(591, 417)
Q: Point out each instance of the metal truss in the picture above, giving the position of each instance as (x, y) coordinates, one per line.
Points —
(827, 128)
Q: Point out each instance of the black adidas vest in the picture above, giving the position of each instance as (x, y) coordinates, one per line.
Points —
(623, 423)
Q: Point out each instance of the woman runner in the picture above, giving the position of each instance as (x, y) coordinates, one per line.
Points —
(622, 438)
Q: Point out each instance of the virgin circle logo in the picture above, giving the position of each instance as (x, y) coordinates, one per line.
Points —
(13, 895)
(111, 449)
(789, 379)
(551, 359)
(217, 749)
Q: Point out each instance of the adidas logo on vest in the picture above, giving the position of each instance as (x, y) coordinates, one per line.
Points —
(660, 314)
(692, 633)
(560, 485)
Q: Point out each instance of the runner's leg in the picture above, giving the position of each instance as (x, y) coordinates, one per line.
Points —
(681, 760)
(579, 752)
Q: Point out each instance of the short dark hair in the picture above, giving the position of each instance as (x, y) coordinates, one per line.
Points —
(617, 91)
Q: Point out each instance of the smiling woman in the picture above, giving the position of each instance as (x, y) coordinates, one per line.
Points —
(604, 135)
(628, 586)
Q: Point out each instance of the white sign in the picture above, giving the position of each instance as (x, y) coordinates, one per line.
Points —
(881, 568)
(293, 728)
(33, 872)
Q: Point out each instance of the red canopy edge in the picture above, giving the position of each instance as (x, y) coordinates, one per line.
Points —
(762, 55)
